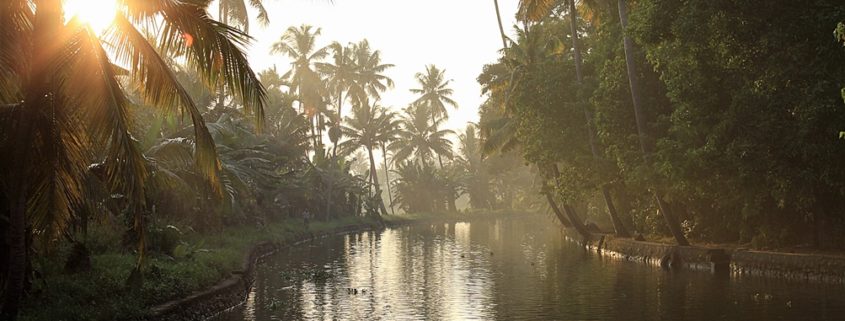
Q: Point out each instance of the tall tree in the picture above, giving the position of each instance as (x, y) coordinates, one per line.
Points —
(370, 80)
(235, 13)
(71, 109)
(419, 138)
(628, 45)
(300, 44)
(536, 10)
(501, 26)
(340, 74)
(367, 128)
(434, 95)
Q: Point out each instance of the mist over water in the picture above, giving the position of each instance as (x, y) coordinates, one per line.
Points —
(504, 269)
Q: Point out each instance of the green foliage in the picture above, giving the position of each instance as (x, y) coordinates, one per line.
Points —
(732, 105)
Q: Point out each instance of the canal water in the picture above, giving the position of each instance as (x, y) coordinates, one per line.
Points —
(505, 269)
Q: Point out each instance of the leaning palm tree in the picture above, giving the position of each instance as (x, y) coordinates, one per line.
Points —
(536, 10)
(64, 107)
(419, 138)
(636, 99)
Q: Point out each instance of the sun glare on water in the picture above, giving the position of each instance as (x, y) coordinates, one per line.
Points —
(99, 14)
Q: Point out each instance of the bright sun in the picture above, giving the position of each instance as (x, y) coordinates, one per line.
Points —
(99, 14)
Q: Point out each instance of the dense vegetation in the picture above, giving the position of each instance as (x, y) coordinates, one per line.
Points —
(712, 120)
(110, 196)
(136, 159)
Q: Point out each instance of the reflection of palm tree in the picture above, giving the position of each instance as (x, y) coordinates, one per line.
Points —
(299, 43)
(419, 138)
(52, 138)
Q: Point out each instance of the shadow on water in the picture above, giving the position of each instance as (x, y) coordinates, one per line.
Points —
(505, 270)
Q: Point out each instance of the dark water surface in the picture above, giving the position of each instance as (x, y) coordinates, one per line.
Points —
(505, 269)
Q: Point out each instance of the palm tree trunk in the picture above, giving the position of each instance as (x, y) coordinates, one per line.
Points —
(567, 209)
(48, 21)
(563, 220)
(576, 221)
(628, 44)
(375, 180)
(501, 27)
(339, 118)
(618, 227)
(387, 178)
(17, 259)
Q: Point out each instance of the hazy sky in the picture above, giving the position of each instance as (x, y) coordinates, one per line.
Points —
(458, 35)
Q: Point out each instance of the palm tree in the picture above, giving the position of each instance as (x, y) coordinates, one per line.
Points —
(367, 128)
(628, 45)
(535, 10)
(435, 95)
(50, 69)
(299, 43)
(357, 70)
(234, 13)
(419, 138)
(340, 76)
(472, 161)
(369, 81)
(391, 128)
(501, 27)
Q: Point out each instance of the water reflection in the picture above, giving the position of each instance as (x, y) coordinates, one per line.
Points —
(504, 270)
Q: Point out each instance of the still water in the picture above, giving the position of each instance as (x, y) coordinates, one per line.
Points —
(508, 269)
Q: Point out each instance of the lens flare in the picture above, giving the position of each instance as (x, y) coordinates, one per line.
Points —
(99, 14)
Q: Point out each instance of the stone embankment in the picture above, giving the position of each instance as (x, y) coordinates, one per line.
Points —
(736, 262)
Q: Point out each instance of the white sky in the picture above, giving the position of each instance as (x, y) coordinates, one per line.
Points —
(460, 36)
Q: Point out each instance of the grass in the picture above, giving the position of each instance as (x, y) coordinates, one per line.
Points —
(102, 294)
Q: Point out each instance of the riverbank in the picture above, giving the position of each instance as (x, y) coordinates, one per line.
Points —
(209, 273)
(817, 267)
(205, 261)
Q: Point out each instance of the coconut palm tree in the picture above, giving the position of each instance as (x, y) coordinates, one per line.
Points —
(299, 43)
(234, 13)
(420, 138)
(471, 160)
(340, 75)
(367, 128)
(391, 129)
(501, 27)
(645, 148)
(64, 108)
(369, 81)
(434, 95)
(536, 10)
(434, 92)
